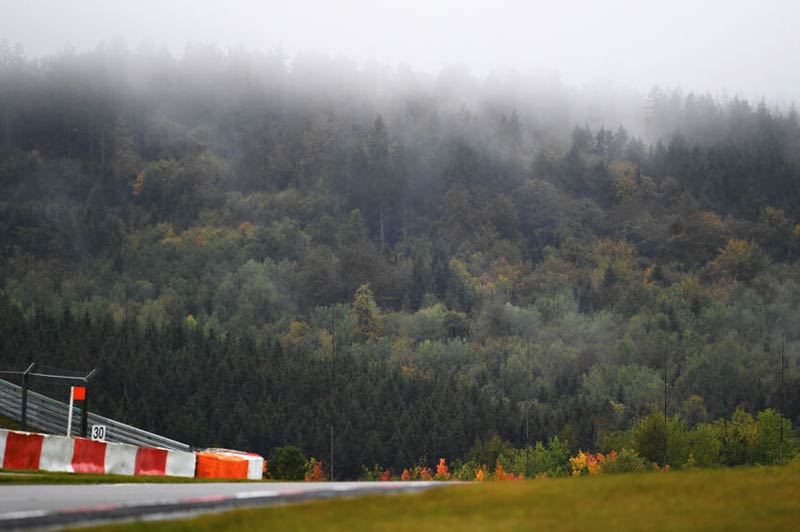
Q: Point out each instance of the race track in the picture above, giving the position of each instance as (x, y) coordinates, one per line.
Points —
(53, 506)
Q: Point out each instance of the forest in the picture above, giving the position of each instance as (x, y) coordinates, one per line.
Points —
(253, 249)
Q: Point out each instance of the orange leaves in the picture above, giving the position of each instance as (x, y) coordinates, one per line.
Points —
(417, 473)
(586, 463)
(499, 472)
(462, 472)
(385, 476)
(442, 472)
(591, 463)
(578, 463)
(317, 471)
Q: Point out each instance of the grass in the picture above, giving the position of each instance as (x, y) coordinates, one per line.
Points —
(11, 424)
(732, 499)
(26, 476)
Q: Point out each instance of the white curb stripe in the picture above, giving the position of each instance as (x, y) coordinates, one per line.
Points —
(57, 452)
(120, 458)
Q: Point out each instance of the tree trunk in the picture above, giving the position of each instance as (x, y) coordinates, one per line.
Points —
(383, 234)
(383, 239)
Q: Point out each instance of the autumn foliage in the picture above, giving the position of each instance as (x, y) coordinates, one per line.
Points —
(593, 464)
(499, 472)
(425, 474)
(317, 471)
(417, 473)
(442, 472)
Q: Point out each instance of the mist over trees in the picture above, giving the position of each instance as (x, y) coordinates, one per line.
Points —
(257, 214)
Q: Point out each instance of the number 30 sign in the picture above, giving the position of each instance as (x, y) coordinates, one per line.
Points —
(99, 432)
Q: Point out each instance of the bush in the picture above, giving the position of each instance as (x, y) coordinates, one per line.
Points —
(739, 439)
(465, 471)
(626, 461)
(767, 449)
(677, 442)
(551, 459)
(288, 463)
(648, 437)
(705, 444)
(315, 470)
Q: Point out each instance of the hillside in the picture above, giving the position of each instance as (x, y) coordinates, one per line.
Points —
(424, 265)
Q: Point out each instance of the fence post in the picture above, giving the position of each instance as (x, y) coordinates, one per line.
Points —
(85, 405)
(85, 416)
(23, 418)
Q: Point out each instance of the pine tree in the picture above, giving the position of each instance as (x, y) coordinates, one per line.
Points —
(124, 156)
(367, 327)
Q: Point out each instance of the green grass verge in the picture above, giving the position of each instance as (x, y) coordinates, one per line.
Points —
(10, 424)
(740, 499)
(46, 477)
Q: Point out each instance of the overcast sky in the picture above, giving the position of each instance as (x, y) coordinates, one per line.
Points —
(746, 48)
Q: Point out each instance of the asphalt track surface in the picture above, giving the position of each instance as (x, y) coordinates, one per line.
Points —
(25, 507)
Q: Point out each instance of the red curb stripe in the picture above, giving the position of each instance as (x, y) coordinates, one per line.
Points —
(89, 456)
(22, 450)
(207, 498)
(150, 461)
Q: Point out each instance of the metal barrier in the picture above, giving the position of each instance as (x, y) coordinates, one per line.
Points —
(50, 415)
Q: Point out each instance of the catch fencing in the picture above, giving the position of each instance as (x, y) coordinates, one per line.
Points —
(49, 415)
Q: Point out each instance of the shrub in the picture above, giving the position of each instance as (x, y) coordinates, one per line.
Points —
(767, 445)
(705, 444)
(315, 471)
(648, 436)
(425, 474)
(376, 473)
(288, 463)
(551, 459)
(739, 439)
(677, 441)
(442, 472)
(466, 471)
(625, 461)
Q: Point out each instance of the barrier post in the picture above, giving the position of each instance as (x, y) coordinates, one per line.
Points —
(85, 405)
(85, 416)
(23, 418)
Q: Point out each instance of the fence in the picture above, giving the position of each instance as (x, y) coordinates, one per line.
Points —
(50, 415)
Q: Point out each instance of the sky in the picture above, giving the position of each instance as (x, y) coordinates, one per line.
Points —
(733, 47)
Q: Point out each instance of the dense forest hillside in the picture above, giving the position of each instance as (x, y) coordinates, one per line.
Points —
(421, 262)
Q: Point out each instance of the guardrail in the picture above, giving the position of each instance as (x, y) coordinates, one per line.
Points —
(50, 415)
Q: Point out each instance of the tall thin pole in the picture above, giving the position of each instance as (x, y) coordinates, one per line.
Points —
(527, 401)
(780, 448)
(125, 361)
(666, 425)
(85, 412)
(332, 407)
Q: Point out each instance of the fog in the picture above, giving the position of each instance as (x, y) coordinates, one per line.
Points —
(721, 47)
